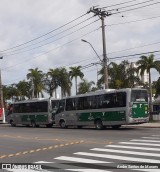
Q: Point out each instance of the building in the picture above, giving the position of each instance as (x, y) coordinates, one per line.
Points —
(145, 77)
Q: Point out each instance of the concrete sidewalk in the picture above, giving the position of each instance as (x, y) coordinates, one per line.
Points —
(147, 125)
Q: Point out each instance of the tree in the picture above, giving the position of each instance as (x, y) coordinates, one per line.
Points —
(146, 64)
(75, 72)
(64, 82)
(85, 86)
(10, 92)
(24, 89)
(121, 75)
(52, 81)
(36, 77)
(157, 87)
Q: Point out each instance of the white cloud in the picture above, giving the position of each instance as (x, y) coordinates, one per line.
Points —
(23, 20)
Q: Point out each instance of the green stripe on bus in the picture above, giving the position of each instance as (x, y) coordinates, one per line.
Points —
(104, 116)
(36, 118)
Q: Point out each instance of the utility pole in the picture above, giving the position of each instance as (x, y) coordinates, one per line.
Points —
(102, 14)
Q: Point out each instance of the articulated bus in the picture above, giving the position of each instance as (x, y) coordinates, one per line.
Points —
(105, 108)
(33, 112)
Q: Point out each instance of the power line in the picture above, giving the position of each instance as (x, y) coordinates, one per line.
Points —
(130, 5)
(114, 24)
(55, 29)
(78, 38)
(51, 36)
(74, 32)
(52, 41)
(134, 47)
(150, 52)
(45, 33)
(136, 8)
(119, 3)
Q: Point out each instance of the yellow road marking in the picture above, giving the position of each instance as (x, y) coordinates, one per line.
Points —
(32, 151)
(37, 150)
(25, 152)
(40, 149)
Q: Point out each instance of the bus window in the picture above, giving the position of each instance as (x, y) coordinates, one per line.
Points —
(121, 99)
(61, 106)
(54, 104)
(92, 103)
(70, 104)
(108, 100)
(139, 95)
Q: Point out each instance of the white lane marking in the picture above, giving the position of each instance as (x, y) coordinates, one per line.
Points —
(139, 140)
(151, 138)
(133, 147)
(125, 158)
(88, 170)
(20, 170)
(26, 170)
(147, 170)
(82, 160)
(156, 135)
(43, 162)
(126, 152)
(134, 143)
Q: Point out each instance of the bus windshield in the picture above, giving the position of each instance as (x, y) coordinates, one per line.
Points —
(139, 95)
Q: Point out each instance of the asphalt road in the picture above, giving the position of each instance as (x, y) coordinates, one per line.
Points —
(86, 149)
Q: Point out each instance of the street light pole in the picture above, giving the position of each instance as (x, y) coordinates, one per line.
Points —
(92, 48)
(102, 62)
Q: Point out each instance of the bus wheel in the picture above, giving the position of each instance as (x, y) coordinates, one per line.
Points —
(33, 124)
(13, 125)
(116, 126)
(98, 124)
(62, 124)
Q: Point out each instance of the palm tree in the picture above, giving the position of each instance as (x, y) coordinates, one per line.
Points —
(64, 82)
(85, 86)
(36, 77)
(121, 75)
(74, 73)
(24, 89)
(146, 64)
(52, 81)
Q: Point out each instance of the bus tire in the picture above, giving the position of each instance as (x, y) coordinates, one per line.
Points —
(33, 124)
(62, 124)
(79, 126)
(116, 126)
(98, 124)
(12, 125)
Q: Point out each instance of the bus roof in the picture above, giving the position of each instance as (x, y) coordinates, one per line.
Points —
(36, 100)
(104, 91)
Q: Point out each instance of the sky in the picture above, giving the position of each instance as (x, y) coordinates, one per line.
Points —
(47, 34)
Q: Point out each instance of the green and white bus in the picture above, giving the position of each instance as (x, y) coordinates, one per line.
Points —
(104, 108)
(33, 112)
